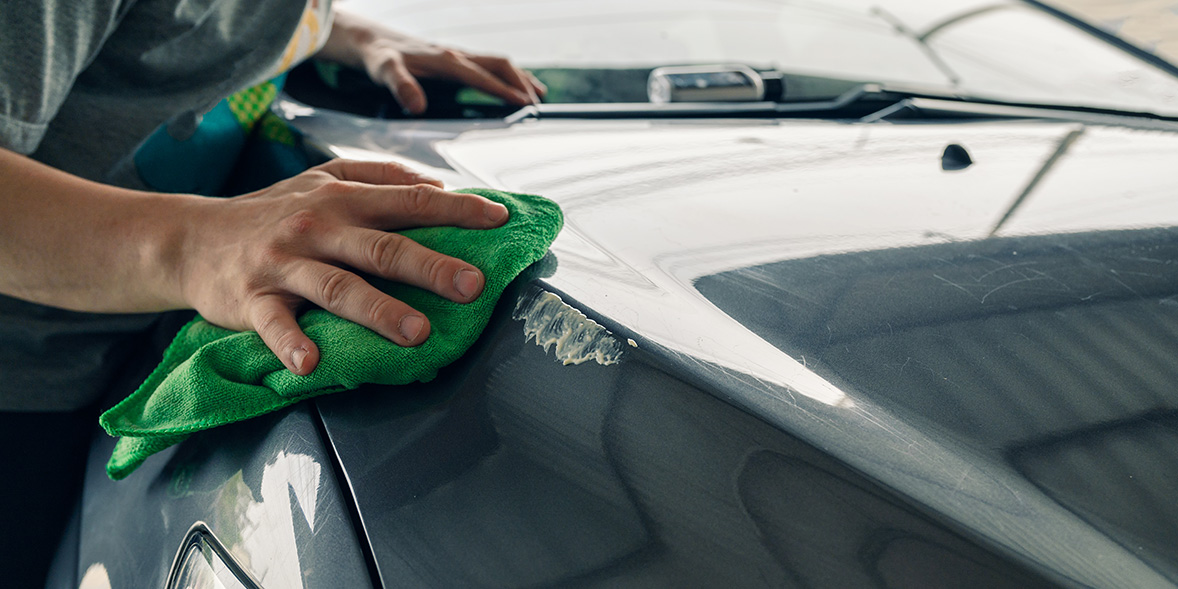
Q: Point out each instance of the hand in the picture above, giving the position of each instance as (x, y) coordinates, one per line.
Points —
(250, 262)
(397, 60)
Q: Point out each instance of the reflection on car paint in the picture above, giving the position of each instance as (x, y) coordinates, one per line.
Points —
(95, 577)
(674, 239)
(267, 531)
(264, 487)
(575, 337)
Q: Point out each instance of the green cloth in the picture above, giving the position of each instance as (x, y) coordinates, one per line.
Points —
(212, 376)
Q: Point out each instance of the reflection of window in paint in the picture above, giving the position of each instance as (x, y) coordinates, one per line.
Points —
(262, 533)
(96, 577)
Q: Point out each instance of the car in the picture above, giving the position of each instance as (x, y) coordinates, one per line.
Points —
(872, 294)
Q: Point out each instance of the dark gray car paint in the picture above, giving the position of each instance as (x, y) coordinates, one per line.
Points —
(819, 291)
(266, 487)
(840, 374)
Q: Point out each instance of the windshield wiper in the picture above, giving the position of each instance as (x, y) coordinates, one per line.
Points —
(857, 102)
(864, 103)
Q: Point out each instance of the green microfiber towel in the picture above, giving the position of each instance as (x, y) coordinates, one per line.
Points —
(212, 376)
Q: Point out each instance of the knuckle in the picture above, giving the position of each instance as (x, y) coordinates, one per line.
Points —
(268, 257)
(420, 197)
(301, 222)
(391, 172)
(327, 172)
(385, 251)
(388, 70)
(380, 311)
(340, 188)
(439, 273)
(272, 325)
(333, 288)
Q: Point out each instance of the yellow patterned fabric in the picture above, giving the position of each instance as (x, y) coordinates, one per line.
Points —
(250, 104)
(273, 128)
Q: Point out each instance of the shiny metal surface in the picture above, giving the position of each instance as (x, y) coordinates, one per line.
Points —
(989, 347)
(266, 488)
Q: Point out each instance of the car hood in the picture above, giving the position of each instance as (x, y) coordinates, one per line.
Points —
(979, 316)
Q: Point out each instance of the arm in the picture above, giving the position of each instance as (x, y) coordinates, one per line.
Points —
(397, 60)
(244, 263)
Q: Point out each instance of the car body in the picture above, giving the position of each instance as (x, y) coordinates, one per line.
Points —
(864, 337)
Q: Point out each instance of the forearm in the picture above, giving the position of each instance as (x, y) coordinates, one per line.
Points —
(80, 245)
(247, 262)
(349, 35)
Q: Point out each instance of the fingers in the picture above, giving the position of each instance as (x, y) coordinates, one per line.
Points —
(349, 296)
(299, 240)
(383, 173)
(537, 85)
(412, 198)
(420, 205)
(517, 78)
(468, 71)
(273, 318)
(399, 258)
(402, 84)
(424, 205)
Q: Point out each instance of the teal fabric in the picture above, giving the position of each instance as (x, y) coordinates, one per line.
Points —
(212, 376)
(205, 158)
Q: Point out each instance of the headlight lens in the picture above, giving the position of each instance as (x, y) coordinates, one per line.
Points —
(203, 563)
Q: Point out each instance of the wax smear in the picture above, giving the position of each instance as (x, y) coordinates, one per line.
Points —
(576, 338)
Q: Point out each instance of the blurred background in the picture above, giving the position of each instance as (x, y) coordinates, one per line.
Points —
(1150, 24)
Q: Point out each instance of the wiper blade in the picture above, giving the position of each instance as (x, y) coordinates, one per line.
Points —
(865, 103)
(857, 102)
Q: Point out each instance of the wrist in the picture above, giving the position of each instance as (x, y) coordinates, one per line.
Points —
(349, 40)
(163, 236)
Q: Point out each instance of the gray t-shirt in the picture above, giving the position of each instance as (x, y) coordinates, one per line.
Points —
(83, 84)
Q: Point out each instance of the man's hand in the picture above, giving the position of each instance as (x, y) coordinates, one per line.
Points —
(250, 262)
(244, 263)
(397, 60)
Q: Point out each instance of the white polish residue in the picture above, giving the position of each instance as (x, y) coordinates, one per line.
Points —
(95, 577)
(576, 338)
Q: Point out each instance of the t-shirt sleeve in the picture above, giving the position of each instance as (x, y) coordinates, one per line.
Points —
(44, 45)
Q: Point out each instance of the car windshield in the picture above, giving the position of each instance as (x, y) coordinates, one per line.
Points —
(602, 50)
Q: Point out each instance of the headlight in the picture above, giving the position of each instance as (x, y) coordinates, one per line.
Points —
(203, 563)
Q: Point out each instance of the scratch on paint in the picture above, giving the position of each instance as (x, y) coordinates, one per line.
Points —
(1122, 283)
(575, 337)
(961, 481)
(1003, 267)
(955, 285)
(1011, 283)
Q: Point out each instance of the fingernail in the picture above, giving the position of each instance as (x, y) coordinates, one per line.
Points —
(496, 212)
(522, 99)
(297, 357)
(410, 326)
(466, 283)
